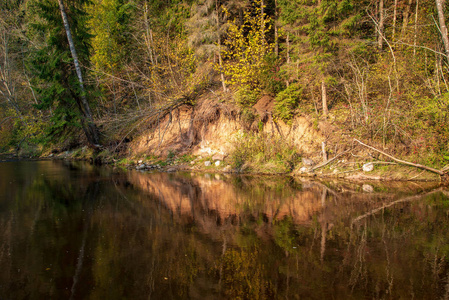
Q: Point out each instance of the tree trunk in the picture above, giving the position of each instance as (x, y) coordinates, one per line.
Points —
(88, 124)
(405, 18)
(381, 25)
(415, 36)
(324, 97)
(220, 60)
(276, 34)
(443, 28)
(148, 35)
(395, 16)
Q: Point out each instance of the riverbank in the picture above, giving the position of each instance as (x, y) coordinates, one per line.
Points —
(342, 169)
(215, 136)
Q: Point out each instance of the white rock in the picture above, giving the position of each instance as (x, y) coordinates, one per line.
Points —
(303, 170)
(217, 163)
(367, 188)
(207, 163)
(140, 167)
(368, 167)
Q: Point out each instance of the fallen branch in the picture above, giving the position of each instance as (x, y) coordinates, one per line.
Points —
(400, 161)
(329, 161)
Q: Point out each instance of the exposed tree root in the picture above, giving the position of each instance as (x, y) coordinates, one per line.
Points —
(155, 115)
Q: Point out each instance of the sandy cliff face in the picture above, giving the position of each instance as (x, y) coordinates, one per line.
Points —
(210, 127)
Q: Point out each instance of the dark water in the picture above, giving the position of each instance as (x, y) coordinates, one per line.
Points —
(74, 231)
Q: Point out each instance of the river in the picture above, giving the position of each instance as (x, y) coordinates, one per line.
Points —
(70, 230)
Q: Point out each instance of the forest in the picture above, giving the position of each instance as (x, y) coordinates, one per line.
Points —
(90, 72)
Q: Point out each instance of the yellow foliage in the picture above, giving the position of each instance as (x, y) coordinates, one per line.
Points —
(246, 47)
(173, 70)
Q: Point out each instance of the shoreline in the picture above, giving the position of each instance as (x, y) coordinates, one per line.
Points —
(395, 173)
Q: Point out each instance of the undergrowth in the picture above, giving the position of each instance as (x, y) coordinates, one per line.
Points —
(261, 153)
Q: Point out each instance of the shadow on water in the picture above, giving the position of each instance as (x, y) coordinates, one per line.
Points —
(75, 231)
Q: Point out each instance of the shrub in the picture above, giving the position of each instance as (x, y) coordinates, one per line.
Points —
(260, 153)
(287, 101)
(272, 77)
(247, 96)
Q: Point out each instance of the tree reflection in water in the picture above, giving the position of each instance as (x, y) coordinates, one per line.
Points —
(71, 230)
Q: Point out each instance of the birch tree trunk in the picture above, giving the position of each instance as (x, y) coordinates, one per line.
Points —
(415, 35)
(443, 28)
(381, 25)
(88, 124)
(324, 98)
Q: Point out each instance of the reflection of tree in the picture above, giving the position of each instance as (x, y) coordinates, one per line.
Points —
(139, 244)
(243, 275)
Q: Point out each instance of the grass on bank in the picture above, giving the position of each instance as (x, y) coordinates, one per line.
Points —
(262, 153)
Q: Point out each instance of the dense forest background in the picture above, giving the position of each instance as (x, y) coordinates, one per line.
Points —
(379, 67)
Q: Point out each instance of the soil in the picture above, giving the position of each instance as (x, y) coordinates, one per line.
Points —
(188, 137)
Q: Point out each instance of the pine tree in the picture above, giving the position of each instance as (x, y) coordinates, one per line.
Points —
(57, 79)
(317, 32)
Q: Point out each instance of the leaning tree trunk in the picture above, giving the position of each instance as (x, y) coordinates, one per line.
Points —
(87, 121)
(443, 28)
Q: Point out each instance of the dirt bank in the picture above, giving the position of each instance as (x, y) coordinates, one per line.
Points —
(202, 137)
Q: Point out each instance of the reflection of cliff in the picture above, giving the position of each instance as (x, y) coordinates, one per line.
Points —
(199, 196)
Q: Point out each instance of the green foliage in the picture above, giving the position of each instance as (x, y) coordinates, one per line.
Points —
(247, 96)
(109, 24)
(273, 78)
(185, 158)
(55, 80)
(283, 235)
(287, 101)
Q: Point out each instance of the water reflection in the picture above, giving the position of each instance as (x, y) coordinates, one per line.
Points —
(74, 231)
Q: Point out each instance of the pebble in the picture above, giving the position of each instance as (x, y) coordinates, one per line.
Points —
(304, 170)
(368, 167)
(367, 188)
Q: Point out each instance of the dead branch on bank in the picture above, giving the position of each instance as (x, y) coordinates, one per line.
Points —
(441, 172)
(330, 160)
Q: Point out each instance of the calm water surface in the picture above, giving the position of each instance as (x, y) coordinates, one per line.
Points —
(75, 231)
